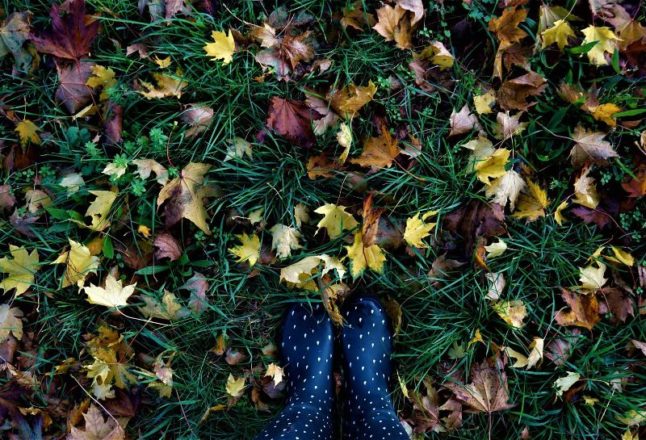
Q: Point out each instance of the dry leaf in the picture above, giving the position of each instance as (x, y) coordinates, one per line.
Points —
(590, 146)
(378, 152)
(19, 269)
(293, 120)
(584, 310)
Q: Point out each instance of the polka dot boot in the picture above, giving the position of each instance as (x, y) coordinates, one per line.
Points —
(366, 345)
(306, 348)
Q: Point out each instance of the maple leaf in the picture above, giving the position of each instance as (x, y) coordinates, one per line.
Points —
(114, 294)
(508, 126)
(417, 229)
(487, 391)
(584, 310)
(463, 121)
(620, 305)
(71, 36)
(335, 220)
(165, 86)
(563, 384)
(184, 196)
(437, 54)
(590, 146)
(585, 190)
(505, 189)
(235, 387)
(169, 308)
(483, 103)
(248, 250)
(292, 120)
(99, 209)
(496, 284)
(27, 132)
(101, 77)
(506, 26)
(496, 249)
(606, 41)
(20, 269)
(10, 322)
(321, 166)
(147, 166)
(79, 263)
(513, 93)
(512, 312)
(97, 428)
(559, 33)
(72, 91)
(378, 152)
(355, 17)
(493, 166)
(198, 116)
(167, 247)
(301, 273)
(349, 100)
(284, 240)
(115, 169)
(394, 25)
(592, 278)
(238, 148)
(275, 372)
(621, 256)
(370, 224)
(197, 285)
(14, 32)
(362, 257)
(222, 48)
(532, 203)
(604, 113)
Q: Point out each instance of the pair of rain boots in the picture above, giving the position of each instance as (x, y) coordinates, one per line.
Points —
(307, 350)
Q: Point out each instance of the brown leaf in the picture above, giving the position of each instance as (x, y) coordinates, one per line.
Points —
(293, 120)
(636, 187)
(558, 351)
(620, 304)
(72, 35)
(328, 117)
(370, 225)
(113, 123)
(513, 93)
(97, 427)
(442, 266)
(7, 200)
(321, 166)
(198, 116)
(234, 356)
(167, 246)
(349, 100)
(590, 146)
(72, 91)
(487, 391)
(394, 24)
(197, 285)
(584, 310)
(463, 121)
(378, 152)
(506, 26)
(476, 219)
(355, 17)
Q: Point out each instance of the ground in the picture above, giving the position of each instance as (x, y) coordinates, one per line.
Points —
(162, 371)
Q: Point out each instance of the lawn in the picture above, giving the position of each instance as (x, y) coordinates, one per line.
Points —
(176, 173)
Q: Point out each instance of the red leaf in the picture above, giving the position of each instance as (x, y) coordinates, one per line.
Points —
(71, 36)
(293, 120)
(72, 90)
(167, 247)
(596, 216)
(113, 123)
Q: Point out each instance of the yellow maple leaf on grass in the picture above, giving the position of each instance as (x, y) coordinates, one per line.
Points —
(301, 274)
(114, 294)
(101, 77)
(493, 166)
(248, 250)
(593, 278)
(222, 48)
(284, 240)
(532, 203)
(606, 41)
(165, 86)
(417, 229)
(79, 263)
(275, 372)
(98, 210)
(335, 220)
(10, 322)
(559, 33)
(363, 257)
(512, 312)
(27, 132)
(20, 269)
(235, 387)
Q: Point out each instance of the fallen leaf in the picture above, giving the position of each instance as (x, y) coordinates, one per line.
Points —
(284, 240)
(417, 229)
(115, 169)
(168, 308)
(621, 256)
(185, 195)
(79, 264)
(394, 25)
(292, 120)
(585, 189)
(72, 91)
(487, 391)
(165, 86)
(584, 310)
(508, 126)
(532, 203)
(496, 284)
(563, 384)
(344, 138)
(483, 103)
(99, 210)
(147, 166)
(237, 148)
(493, 166)
(235, 387)
(71, 36)
(370, 224)
(348, 101)
(222, 48)
(512, 312)
(496, 249)
(560, 32)
(620, 305)
(199, 117)
(301, 273)
(605, 113)
(506, 27)
(114, 294)
(506, 188)
(96, 427)
(275, 372)
(103, 78)
(335, 219)
(606, 41)
(10, 322)
(27, 132)
(558, 213)
(167, 246)
(590, 146)
(513, 93)
(356, 17)
(438, 55)
(592, 278)
(248, 250)
(362, 257)
(14, 32)
(463, 121)
(378, 152)
(198, 286)
(19, 269)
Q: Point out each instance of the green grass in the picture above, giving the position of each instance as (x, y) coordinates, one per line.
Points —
(437, 314)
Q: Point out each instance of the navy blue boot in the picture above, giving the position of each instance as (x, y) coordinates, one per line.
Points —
(366, 341)
(306, 349)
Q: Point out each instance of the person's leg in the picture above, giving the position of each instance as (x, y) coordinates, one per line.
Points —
(366, 346)
(306, 350)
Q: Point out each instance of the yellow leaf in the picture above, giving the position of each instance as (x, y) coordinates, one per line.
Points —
(79, 263)
(535, 352)
(187, 193)
(99, 210)
(496, 249)
(115, 170)
(348, 101)
(301, 273)
(629, 435)
(585, 190)
(592, 278)
(147, 166)
(27, 132)
(512, 312)
(606, 42)
(222, 47)
(284, 240)
(362, 257)
(483, 103)
(114, 294)
(505, 189)
(237, 148)
(378, 152)
(101, 77)
(493, 166)
(335, 220)
(532, 204)
(622, 256)
(165, 86)
(235, 387)
(10, 322)
(20, 269)
(248, 250)
(162, 62)
(521, 359)
(559, 33)
(344, 138)
(604, 113)
(558, 214)
(301, 214)
(417, 229)
(144, 230)
(477, 337)
(275, 372)
(168, 308)
(481, 148)
(438, 54)
(563, 384)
